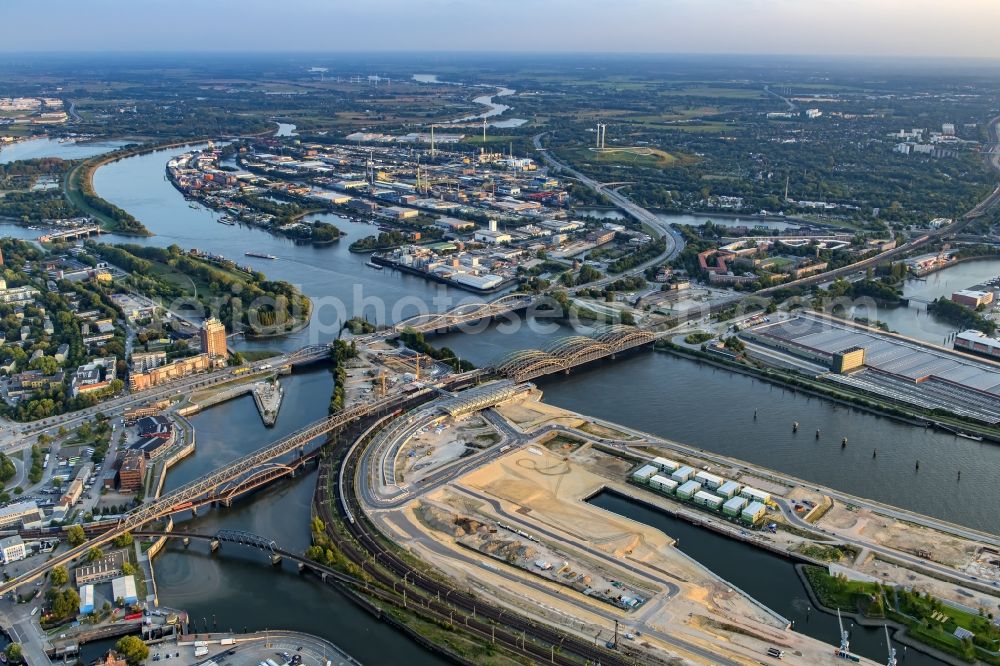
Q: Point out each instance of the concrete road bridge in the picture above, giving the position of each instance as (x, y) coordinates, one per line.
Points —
(237, 477)
(570, 352)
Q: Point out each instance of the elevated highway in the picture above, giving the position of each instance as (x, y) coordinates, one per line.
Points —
(674, 242)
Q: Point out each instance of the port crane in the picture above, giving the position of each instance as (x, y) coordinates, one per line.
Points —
(844, 651)
(892, 650)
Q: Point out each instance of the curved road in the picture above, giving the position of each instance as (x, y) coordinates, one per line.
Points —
(674, 241)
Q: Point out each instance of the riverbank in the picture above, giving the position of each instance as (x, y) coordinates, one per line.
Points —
(78, 187)
(839, 395)
(434, 277)
(901, 632)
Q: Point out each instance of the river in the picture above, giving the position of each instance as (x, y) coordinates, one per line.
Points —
(913, 320)
(67, 150)
(672, 397)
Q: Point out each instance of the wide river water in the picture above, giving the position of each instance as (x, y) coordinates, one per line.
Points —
(672, 397)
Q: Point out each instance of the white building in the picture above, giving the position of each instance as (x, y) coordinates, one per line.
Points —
(12, 549)
(682, 474)
(492, 237)
(665, 465)
(755, 495)
(643, 473)
(710, 480)
(662, 483)
(124, 588)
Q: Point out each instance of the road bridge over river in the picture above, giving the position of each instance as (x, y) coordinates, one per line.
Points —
(254, 469)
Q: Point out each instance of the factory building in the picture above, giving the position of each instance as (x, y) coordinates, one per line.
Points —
(734, 506)
(642, 474)
(663, 484)
(754, 513)
(688, 490)
(682, 474)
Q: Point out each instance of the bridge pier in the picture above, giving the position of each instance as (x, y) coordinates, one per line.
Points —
(302, 567)
(226, 502)
(214, 545)
(275, 559)
(186, 542)
(194, 511)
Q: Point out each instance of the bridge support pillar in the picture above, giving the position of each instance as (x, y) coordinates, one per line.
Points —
(187, 542)
(214, 545)
(302, 567)
(194, 511)
(275, 559)
(227, 502)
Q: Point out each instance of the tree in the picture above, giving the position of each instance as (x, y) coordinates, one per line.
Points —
(14, 655)
(75, 535)
(128, 569)
(132, 649)
(94, 554)
(123, 540)
(59, 576)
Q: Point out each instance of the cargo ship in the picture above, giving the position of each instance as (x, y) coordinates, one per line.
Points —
(260, 255)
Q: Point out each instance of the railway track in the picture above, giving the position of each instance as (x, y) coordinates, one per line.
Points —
(438, 599)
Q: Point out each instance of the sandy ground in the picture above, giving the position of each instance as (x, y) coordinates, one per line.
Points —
(941, 548)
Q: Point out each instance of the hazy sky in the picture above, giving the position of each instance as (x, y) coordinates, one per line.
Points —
(848, 27)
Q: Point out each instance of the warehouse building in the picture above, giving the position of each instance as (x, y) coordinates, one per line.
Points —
(682, 474)
(688, 490)
(734, 507)
(753, 513)
(123, 588)
(972, 298)
(663, 484)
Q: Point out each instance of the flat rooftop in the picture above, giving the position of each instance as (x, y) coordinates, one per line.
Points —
(926, 375)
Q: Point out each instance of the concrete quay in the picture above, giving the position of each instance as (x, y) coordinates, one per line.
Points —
(267, 395)
(252, 649)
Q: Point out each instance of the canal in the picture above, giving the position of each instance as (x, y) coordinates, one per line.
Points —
(672, 397)
(768, 578)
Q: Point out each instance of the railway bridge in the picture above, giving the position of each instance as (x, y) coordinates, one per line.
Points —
(464, 314)
(237, 477)
(567, 353)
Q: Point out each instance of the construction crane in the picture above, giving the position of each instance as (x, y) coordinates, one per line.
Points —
(844, 651)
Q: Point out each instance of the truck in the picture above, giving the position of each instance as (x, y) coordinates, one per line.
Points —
(200, 651)
(227, 641)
